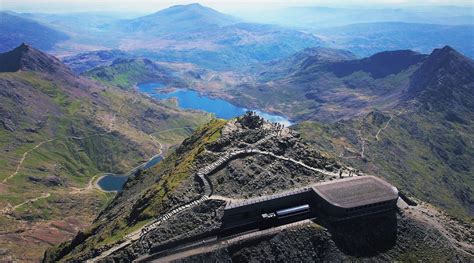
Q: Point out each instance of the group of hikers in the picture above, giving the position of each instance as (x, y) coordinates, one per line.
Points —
(351, 172)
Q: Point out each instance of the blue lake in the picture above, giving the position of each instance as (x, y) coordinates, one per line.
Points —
(112, 182)
(115, 182)
(190, 99)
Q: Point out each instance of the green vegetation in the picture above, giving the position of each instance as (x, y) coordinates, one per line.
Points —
(69, 132)
(416, 152)
(154, 198)
(125, 73)
(182, 169)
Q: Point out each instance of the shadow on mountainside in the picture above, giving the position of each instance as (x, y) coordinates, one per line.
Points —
(366, 236)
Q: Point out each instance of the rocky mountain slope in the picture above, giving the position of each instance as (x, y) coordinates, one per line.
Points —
(182, 199)
(58, 133)
(423, 143)
(321, 89)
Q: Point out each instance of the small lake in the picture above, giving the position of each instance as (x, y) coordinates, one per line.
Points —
(112, 182)
(190, 99)
(115, 182)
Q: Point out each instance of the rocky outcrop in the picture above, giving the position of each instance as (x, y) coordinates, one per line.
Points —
(25, 57)
(50, 181)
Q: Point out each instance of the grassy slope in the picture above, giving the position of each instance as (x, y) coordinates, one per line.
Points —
(149, 194)
(126, 73)
(421, 153)
(69, 113)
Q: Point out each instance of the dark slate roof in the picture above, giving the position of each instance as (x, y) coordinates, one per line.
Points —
(356, 191)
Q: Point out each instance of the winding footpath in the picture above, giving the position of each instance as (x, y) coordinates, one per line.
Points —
(75, 190)
(45, 195)
(25, 154)
(383, 128)
(207, 194)
(23, 158)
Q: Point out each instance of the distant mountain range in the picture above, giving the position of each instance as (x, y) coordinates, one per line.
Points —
(365, 39)
(203, 36)
(336, 88)
(322, 17)
(200, 35)
(15, 29)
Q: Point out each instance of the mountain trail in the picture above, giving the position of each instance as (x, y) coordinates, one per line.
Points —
(18, 167)
(383, 128)
(450, 228)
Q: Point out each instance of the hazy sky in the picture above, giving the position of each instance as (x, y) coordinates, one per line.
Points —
(147, 6)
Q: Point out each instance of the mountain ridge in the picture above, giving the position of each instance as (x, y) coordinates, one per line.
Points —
(25, 57)
(445, 81)
(332, 90)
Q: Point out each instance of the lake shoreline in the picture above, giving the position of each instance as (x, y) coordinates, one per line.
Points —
(189, 98)
(155, 159)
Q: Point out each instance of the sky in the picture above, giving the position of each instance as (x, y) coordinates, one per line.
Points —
(147, 6)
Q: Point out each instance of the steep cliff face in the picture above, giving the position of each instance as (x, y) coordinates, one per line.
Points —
(445, 81)
(182, 200)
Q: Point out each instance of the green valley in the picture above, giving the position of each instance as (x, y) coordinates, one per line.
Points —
(59, 132)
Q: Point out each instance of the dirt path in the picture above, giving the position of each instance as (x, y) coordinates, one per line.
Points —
(23, 158)
(451, 229)
(383, 128)
(44, 195)
(362, 139)
(88, 188)
(157, 143)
